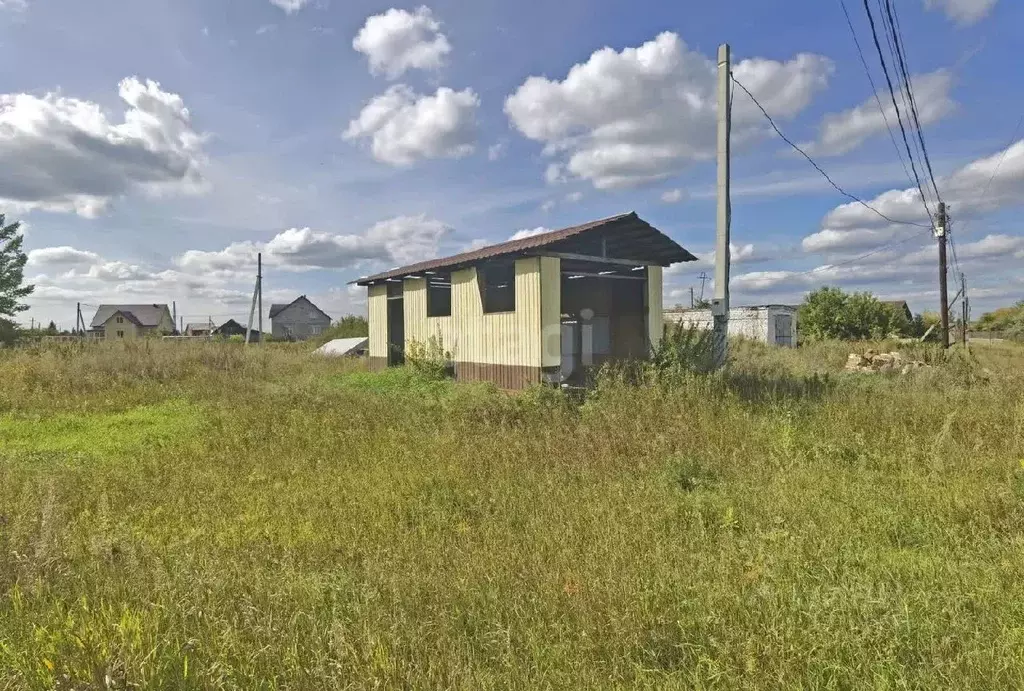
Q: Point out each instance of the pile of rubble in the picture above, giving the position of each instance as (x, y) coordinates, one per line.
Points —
(873, 361)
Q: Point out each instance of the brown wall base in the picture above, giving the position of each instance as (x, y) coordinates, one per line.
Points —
(503, 376)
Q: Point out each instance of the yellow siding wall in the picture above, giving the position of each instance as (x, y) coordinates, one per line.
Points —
(378, 316)
(551, 311)
(655, 326)
(420, 327)
(507, 338)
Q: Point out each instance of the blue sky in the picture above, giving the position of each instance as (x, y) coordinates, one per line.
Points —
(152, 148)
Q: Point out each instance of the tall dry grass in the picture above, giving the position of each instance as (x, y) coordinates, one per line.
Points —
(276, 521)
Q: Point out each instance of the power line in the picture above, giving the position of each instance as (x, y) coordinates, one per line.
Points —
(817, 167)
(874, 90)
(858, 258)
(892, 96)
(902, 59)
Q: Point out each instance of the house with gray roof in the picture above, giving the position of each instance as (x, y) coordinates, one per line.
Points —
(131, 321)
(298, 320)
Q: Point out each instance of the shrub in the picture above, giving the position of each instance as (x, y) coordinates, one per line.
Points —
(350, 326)
(429, 358)
(684, 349)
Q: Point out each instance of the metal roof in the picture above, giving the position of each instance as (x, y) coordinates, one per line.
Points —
(144, 315)
(278, 307)
(342, 346)
(628, 232)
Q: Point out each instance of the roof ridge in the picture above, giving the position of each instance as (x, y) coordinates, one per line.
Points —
(522, 244)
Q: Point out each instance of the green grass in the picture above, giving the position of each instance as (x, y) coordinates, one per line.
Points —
(784, 526)
(101, 435)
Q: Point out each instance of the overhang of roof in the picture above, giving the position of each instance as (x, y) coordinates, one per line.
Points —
(626, 236)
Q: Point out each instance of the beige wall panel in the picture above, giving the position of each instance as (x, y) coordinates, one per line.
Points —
(551, 311)
(377, 313)
(418, 326)
(506, 338)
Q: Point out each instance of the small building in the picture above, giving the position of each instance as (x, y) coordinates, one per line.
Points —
(345, 347)
(771, 324)
(901, 307)
(298, 320)
(198, 329)
(131, 321)
(545, 308)
(232, 328)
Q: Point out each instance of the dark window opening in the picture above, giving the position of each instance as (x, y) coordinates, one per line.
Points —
(396, 287)
(498, 287)
(439, 296)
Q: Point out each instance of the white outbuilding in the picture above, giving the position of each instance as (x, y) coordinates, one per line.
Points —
(344, 347)
(772, 324)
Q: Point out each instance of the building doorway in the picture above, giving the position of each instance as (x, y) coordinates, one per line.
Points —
(396, 324)
(604, 318)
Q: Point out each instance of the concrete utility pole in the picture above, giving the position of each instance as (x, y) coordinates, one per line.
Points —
(255, 294)
(941, 222)
(174, 312)
(720, 305)
(259, 290)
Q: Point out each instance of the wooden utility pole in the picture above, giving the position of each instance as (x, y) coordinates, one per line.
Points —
(720, 304)
(174, 313)
(940, 233)
(259, 290)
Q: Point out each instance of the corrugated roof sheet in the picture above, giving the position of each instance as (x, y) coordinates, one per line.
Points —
(630, 221)
(342, 346)
(145, 315)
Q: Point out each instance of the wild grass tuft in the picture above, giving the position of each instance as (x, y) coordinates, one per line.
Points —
(262, 518)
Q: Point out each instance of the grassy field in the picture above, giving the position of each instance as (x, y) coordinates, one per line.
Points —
(199, 516)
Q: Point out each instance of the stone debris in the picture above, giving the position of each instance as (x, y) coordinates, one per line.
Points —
(873, 361)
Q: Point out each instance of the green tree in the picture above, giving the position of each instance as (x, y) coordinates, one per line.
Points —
(831, 313)
(823, 314)
(51, 329)
(351, 326)
(12, 276)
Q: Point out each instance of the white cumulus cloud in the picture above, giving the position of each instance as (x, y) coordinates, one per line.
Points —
(962, 12)
(629, 117)
(985, 185)
(290, 6)
(404, 127)
(402, 240)
(843, 132)
(399, 40)
(63, 256)
(673, 196)
(529, 232)
(72, 158)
